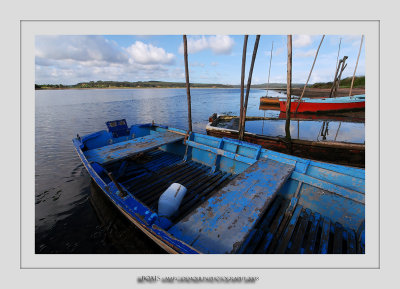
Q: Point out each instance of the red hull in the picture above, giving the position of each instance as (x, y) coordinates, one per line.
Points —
(321, 107)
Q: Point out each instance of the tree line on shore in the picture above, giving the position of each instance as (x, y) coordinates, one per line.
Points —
(346, 82)
(359, 82)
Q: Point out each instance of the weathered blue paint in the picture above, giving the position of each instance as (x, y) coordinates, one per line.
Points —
(351, 182)
(330, 193)
(289, 231)
(326, 186)
(221, 224)
(217, 151)
(118, 128)
(341, 99)
(117, 151)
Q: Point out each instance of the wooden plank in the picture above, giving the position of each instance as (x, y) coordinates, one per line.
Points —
(330, 187)
(117, 151)
(233, 156)
(299, 234)
(351, 242)
(312, 234)
(270, 214)
(323, 245)
(247, 242)
(255, 240)
(282, 245)
(273, 229)
(338, 239)
(222, 223)
(345, 238)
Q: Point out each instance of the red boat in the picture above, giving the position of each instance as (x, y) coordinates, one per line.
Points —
(316, 105)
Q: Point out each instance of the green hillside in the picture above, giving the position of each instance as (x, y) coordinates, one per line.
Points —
(359, 81)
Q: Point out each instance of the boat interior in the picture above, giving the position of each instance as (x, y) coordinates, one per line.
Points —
(240, 198)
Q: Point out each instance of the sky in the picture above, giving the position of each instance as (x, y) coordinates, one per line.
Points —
(70, 59)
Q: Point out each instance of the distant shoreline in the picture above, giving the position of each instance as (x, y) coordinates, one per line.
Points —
(105, 88)
(358, 82)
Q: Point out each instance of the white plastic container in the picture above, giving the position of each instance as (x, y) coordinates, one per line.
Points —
(170, 200)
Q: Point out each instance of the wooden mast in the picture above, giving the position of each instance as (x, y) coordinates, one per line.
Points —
(336, 82)
(187, 83)
(288, 92)
(344, 65)
(337, 58)
(269, 70)
(269, 73)
(253, 59)
(242, 82)
(358, 57)
(309, 75)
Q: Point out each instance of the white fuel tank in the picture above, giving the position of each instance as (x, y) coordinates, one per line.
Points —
(170, 200)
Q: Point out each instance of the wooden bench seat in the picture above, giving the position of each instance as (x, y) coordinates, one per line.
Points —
(222, 223)
(117, 151)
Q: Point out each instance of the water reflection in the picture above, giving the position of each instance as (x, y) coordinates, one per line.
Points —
(306, 130)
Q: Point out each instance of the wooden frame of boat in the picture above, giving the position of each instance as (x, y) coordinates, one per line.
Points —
(329, 151)
(240, 198)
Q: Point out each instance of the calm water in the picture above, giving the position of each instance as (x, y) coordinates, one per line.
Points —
(71, 215)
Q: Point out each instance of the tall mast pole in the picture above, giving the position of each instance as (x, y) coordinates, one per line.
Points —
(246, 37)
(246, 100)
(337, 58)
(289, 91)
(309, 75)
(269, 70)
(187, 83)
(358, 57)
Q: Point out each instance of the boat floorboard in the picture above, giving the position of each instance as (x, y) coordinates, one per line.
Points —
(147, 176)
(298, 231)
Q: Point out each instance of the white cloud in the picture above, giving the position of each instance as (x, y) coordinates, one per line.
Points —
(72, 59)
(122, 72)
(83, 48)
(218, 44)
(142, 53)
(304, 54)
(195, 45)
(214, 63)
(221, 44)
(301, 40)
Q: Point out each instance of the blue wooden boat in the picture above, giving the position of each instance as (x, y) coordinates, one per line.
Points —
(192, 193)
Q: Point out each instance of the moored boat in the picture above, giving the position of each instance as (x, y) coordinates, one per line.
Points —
(193, 193)
(338, 152)
(269, 100)
(317, 105)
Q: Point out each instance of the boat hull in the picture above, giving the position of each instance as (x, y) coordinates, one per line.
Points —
(218, 173)
(333, 152)
(269, 100)
(319, 107)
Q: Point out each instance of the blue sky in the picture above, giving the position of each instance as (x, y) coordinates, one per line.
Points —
(69, 59)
